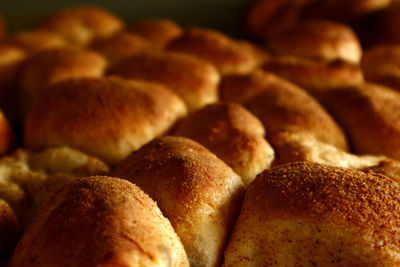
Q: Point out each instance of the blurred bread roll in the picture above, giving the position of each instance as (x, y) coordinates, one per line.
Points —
(121, 46)
(233, 134)
(159, 31)
(259, 54)
(51, 66)
(38, 40)
(81, 24)
(318, 39)
(193, 79)
(9, 232)
(313, 75)
(369, 115)
(195, 190)
(7, 137)
(281, 105)
(225, 53)
(381, 64)
(313, 214)
(107, 118)
(99, 221)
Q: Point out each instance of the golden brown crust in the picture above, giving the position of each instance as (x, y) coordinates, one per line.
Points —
(9, 232)
(381, 64)
(38, 40)
(315, 75)
(387, 167)
(159, 31)
(7, 137)
(259, 54)
(195, 190)
(233, 134)
(107, 118)
(120, 46)
(281, 105)
(318, 39)
(193, 79)
(100, 221)
(227, 55)
(369, 114)
(310, 214)
(81, 24)
(51, 66)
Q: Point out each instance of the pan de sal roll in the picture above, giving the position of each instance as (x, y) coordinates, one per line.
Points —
(38, 40)
(9, 232)
(195, 190)
(313, 75)
(259, 54)
(304, 214)
(51, 66)
(104, 117)
(225, 53)
(99, 221)
(158, 31)
(381, 64)
(81, 24)
(7, 137)
(369, 115)
(281, 105)
(120, 46)
(318, 39)
(233, 134)
(193, 79)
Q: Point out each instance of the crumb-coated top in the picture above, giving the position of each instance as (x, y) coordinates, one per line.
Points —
(227, 55)
(195, 80)
(314, 75)
(318, 39)
(81, 24)
(381, 64)
(233, 134)
(159, 31)
(369, 114)
(281, 105)
(108, 118)
(100, 221)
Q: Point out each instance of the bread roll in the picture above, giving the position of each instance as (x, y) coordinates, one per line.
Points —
(318, 39)
(11, 58)
(81, 24)
(99, 221)
(233, 134)
(369, 115)
(35, 41)
(51, 66)
(7, 137)
(9, 232)
(195, 190)
(281, 105)
(304, 214)
(381, 64)
(121, 46)
(106, 118)
(225, 53)
(259, 54)
(314, 75)
(193, 79)
(159, 31)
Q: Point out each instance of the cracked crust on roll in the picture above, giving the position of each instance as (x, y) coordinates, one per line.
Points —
(100, 221)
(107, 118)
(303, 214)
(369, 114)
(194, 189)
(159, 31)
(193, 79)
(225, 53)
(81, 24)
(319, 40)
(233, 134)
(281, 105)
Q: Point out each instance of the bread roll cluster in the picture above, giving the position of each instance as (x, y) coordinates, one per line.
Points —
(151, 144)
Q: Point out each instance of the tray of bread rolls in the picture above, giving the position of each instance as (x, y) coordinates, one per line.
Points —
(150, 143)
